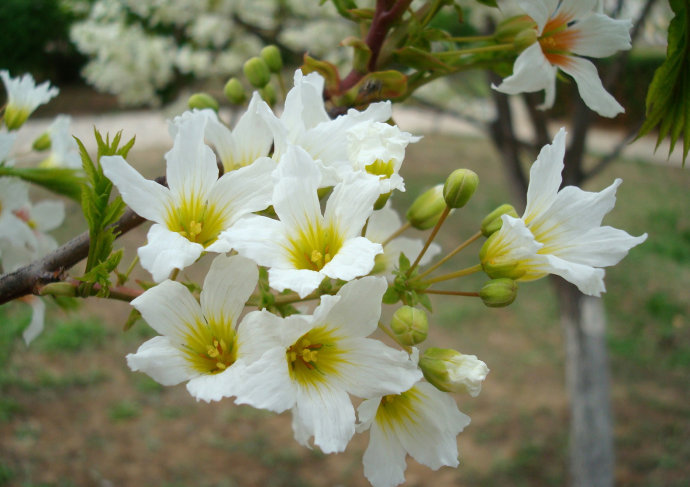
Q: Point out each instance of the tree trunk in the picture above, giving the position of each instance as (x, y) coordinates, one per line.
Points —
(588, 383)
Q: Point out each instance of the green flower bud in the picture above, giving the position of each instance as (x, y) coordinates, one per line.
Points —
(271, 56)
(201, 101)
(492, 222)
(524, 39)
(410, 325)
(58, 289)
(42, 142)
(268, 93)
(14, 118)
(257, 72)
(451, 371)
(459, 187)
(426, 210)
(234, 91)
(498, 293)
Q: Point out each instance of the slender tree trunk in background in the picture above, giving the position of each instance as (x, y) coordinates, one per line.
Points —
(588, 383)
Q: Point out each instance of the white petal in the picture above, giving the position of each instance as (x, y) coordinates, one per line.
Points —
(148, 199)
(351, 203)
(589, 280)
(302, 281)
(539, 10)
(159, 359)
(48, 214)
(576, 9)
(531, 72)
(601, 247)
(375, 369)
(601, 36)
(214, 387)
(266, 383)
(590, 87)
(166, 251)
(253, 136)
(229, 283)
(261, 331)
(295, 199)
(355, 258)
(191, 167)
(14, 194)
(328, 415)
(170, 309)
(6, 143)
(384, 459)
(545, 177)
(38, 316)
(358, 310)
(382, 224)
(257, 237)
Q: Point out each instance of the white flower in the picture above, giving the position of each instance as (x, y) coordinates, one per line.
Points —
(379, 149)
(6, 142)
(382, 224)
(304, 246)
(312, 363)
(422, 422)
(199, 343)
(14, 194)
(566, 29)
(38, 317)
(305, 123)
(560, 232)
(189, 216)
(23, 97)
(64, 151)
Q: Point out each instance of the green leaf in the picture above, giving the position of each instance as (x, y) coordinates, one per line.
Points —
(489, 3)
(420, 60)
(391, 296)
(63, 181)
(668, 97)
(328, 70)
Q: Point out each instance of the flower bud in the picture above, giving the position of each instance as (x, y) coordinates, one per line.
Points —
(257, 72)
(410, 325)
(524, 39)
(271, 56)
(15, 117)
(58, 289)
(268, 93)
(511, 27)
(460, 187)
(42, 142)
(426, 210)
(201, 101)
(451, 371)
(493, 221)
(234, 91)
(498, 293)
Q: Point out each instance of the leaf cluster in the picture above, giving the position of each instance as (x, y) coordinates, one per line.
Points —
(668, 97)
(405, 287)
(101, 213)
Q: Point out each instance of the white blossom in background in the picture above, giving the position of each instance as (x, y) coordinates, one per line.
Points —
(199, 343)
(305, 123)
(560, 231)
(190, 215)
(382, 224)
(14, 232)
(6, 143)
(64, 151)
(305, 246)
(23, 97)
(312, 363)
(567, 30)
(422, 422)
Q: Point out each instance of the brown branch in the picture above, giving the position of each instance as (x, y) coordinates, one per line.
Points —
(611, 156)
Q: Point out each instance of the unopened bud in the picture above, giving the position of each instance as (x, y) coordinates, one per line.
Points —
(42, 142)
(451, 371)
(524, 39)
(268, 93)
(511, 27)
(426, 210)
(271, 56)
(492, 222)
(234, 91)
(58, 289)
(257, 72)
(498, 293)
(201, 101)
(410, 325)
(459, 187)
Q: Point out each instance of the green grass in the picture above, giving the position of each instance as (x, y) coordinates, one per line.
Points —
(123, 411)
(73, 336)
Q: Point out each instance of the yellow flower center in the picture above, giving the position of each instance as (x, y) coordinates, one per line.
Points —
(196, 220)
(399, 409)
(380, 168)
(314, 357)
(210, 347)
(314, 248)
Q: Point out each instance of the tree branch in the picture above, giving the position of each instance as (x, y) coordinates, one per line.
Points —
(611, 156)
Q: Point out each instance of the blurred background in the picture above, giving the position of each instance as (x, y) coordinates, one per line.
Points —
(71, 412)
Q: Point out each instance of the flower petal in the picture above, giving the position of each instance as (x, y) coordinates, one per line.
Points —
(591, 90)
(295, 199)
(601, 36)
(355, 258)
(539, 10)
(159, 358)
(384, 458)
(351, 203)
(358, 310)
(148, 199)
(38, 317)
(576, 9)
(48, 214)
(531, 72)
(228, 284)
(266, 383)
(214, 387)
(302, 281)
(589, 280)
(545, 177)
(166, 251)
(327, 414)
(257, 237)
